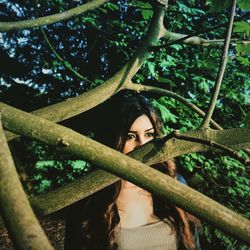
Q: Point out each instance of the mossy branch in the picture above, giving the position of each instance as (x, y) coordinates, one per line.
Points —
(41, 21)
(127, 168)
(23, 227)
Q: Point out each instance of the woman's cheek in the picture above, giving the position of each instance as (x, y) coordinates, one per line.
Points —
(129, 146)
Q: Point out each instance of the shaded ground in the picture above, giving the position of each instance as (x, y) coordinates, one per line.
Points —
(53, 228)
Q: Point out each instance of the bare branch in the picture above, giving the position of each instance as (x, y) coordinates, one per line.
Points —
(234, 154)
(24, 228)
(172, 37)
(220, 74)
(29, 24)
(65, 63)
(127, 168)
(181, 39)
(164, 92)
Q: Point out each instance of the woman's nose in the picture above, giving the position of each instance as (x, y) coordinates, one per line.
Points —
(141, 140)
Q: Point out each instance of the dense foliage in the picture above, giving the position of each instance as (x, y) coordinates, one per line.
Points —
(48, 65)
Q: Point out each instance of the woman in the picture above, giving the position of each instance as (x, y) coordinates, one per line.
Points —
(124, 216)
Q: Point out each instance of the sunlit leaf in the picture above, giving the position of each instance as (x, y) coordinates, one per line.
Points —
(243, 48)
(243, 60)
(244, 4)
(242, 27)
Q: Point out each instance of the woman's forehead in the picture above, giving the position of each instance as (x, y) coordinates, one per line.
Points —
(141, 123)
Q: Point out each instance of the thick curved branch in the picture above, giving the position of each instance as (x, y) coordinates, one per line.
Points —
(164, 92)
(123, 166)
(29, 24)
(65, 63)
(25, 230)
(220, 74)
(74, 106)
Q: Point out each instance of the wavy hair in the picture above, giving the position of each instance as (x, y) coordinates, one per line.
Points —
(92, 224)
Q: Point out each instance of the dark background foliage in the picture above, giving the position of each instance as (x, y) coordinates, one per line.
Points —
(96, 45)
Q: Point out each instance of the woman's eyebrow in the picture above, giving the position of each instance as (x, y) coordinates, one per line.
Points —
(135, 132)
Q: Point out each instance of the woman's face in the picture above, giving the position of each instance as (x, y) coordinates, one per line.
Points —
(140, 132)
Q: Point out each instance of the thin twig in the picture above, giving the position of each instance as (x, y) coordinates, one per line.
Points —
(176, 134)
(220, 74)
(65, 63)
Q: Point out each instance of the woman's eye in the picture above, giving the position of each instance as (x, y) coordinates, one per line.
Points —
(150, 134)
(131, 136)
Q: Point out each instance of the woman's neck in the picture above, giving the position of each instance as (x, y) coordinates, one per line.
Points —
(135, 206)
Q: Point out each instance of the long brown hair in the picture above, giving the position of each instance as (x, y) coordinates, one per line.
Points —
(93, 223)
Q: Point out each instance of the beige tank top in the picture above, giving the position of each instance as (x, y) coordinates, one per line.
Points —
(155, 236)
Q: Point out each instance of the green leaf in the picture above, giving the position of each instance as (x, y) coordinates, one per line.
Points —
(243, 60)
(146, 9)
(218, 5)
(168, 62)
(177, 47)
(210, 63)
(67, 64)
(151, 68)
(242, 27)
(243, 48)
(166, 115)
(246, 121)
(167, 81)
(244, 4)
(112, 6)
(147, 14)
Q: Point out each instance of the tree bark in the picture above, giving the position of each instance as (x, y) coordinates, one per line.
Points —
(123, 166)
(25, 230)
(41, 21)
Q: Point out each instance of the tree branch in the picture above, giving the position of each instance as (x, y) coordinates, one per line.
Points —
(129, 169)
(65, 63)
(29, 24)
(161, 150)
(194, 34)
(213, 144)
(62, 197)
(74, 106)
(25, 230)
(164, 92)
(220, 74)
(172, 37)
